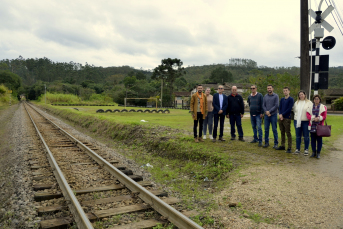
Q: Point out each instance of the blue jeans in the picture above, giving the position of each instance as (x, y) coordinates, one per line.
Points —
(302, 131)
(256, 122)
(315, 139)
(236, 119)
(208, 121)
(267, 121)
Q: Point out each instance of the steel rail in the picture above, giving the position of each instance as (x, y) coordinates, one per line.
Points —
(174, 216)
(74, 205)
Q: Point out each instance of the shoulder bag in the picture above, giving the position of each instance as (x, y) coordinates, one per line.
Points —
(323, 131)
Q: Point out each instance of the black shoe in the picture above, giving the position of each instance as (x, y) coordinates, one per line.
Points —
(314, 154)
(318, 155)
(280, 148)
(233, 138)
(241, 139)
(289, 150)
(221, 139)
(275, 146)
(214, 140)
(254, 141)
(260, 144)
(266, 145)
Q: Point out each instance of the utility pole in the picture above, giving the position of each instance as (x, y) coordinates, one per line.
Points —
(304, 47)
(161, 90)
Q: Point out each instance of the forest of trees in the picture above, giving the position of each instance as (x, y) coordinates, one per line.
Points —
(29, 76)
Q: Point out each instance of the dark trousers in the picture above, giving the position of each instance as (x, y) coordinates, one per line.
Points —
(236, 119)
(285, 128)
(315, 139)
(195, 127)
(218, 117)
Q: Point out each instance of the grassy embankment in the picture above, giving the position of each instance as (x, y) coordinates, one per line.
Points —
(74, 99)
(5, 98)
(166, 142)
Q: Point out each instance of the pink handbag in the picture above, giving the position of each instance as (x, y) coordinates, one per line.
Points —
(323, 131)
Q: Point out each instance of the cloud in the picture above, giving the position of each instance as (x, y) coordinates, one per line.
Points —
(141, 33)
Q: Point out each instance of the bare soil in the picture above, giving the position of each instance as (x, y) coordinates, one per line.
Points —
(305, 195)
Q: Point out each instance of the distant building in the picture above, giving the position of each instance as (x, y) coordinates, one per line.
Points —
(332, 94)
(182, 97)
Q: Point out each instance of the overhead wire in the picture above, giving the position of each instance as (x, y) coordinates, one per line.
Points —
(337, 12)
(334, 19)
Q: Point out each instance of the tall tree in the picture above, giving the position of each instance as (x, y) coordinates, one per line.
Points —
(169, 71)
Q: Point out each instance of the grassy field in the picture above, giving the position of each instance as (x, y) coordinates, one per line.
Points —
(193, 171)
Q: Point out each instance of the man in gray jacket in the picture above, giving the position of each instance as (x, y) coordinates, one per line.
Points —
(270, 107)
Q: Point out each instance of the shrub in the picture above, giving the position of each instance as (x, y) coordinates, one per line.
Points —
(338, 104)
(3, 89)
(59, 98)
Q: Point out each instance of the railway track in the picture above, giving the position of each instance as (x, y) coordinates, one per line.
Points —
(81, 188)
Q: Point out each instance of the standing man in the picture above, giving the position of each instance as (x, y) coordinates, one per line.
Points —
(255, 102)
(199, 111)
(235, 111)
(285, 109)
(219, 111)
(270, 106)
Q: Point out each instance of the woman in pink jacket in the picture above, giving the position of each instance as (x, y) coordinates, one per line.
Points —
(316, 115)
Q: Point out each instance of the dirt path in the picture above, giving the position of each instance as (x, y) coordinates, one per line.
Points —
(306, 195)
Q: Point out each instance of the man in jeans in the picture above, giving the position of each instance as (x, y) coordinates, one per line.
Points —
(270, 106)
(285, 108)
(198, 109)
(255, 101)
(235, 111)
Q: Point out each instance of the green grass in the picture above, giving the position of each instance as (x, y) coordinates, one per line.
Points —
(166, 142)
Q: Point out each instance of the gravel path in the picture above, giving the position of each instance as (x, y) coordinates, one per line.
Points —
(290, 196)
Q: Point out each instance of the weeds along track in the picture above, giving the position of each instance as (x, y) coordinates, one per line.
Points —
(77, 187)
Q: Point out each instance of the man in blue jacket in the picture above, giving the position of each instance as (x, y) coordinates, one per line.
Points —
(285, 108)
(219, 112)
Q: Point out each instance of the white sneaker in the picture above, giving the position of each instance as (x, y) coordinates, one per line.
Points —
(211, 137)
(306, 152)
(204, 137)
(296, 152)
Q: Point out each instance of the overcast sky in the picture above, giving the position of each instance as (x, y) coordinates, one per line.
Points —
(142, 32)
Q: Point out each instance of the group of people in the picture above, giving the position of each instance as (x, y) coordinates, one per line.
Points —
(208, 110)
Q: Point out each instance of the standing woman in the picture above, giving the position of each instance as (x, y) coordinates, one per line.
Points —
(316, 115)
(301, 123)
(208, 121)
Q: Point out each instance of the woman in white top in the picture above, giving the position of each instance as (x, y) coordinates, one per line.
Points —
(301, 123)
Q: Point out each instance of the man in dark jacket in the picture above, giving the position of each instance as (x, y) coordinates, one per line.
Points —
(219, 111)
(235, 111)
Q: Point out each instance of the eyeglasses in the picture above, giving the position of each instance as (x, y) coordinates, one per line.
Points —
(253, 88)
(220, 88)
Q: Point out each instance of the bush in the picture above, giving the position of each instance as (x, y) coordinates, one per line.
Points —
(100, 99)
(59, 98)
(338, 104)
(3, 89)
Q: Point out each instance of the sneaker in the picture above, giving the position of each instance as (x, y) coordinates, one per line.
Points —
(211, 137)
(254, 141)
(204, 137)
(266, 145)
(306, 152)
(275, 146)
(280, 148)
(296, 152)
(196, 140)
(221, 139)
(289, 150)
(260, 144)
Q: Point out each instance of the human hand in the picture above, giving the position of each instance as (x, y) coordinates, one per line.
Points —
(281, 117)
(227, 116)
(267, 113)
(261, 115)
(242, 116)
(221, 111)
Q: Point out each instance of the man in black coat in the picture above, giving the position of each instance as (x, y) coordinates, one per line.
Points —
(235, 111)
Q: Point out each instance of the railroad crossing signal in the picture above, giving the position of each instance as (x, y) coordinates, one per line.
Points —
(328, 43)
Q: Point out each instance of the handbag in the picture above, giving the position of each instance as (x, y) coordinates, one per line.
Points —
(323, 131)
